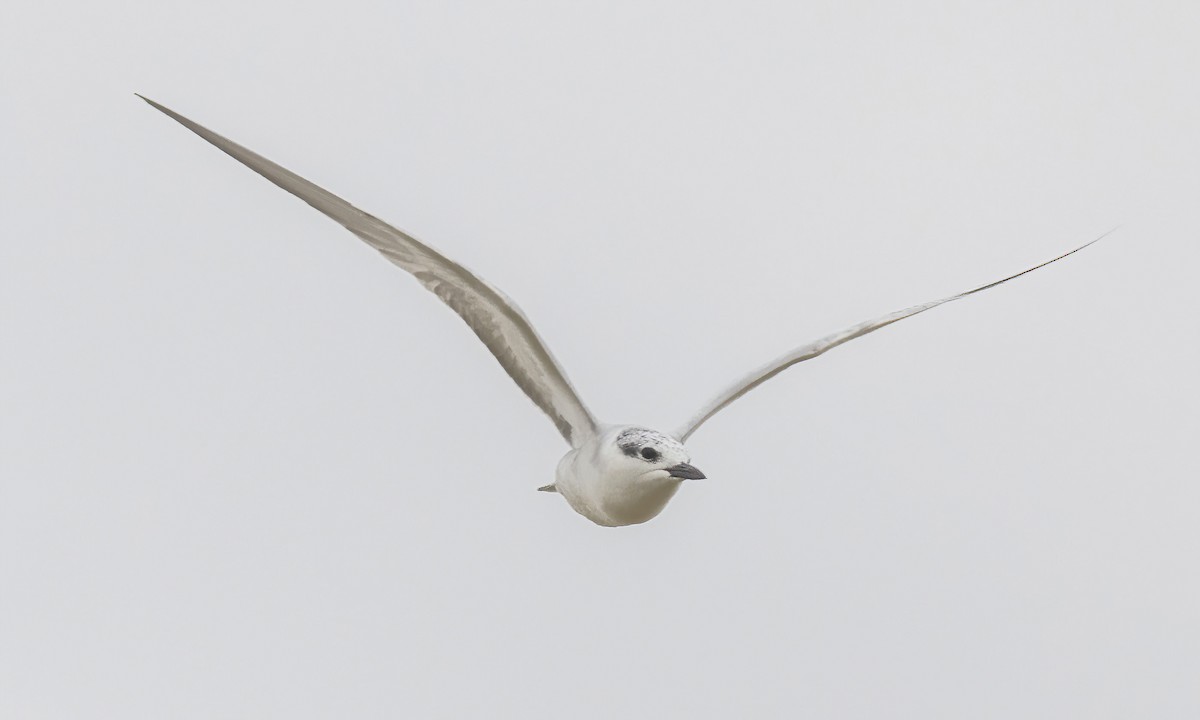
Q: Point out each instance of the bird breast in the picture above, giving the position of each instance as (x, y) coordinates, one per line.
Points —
(609, 498)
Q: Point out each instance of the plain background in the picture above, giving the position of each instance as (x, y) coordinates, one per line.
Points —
(250, 470)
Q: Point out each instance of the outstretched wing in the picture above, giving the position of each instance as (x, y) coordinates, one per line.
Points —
(812, 350)
(497, 320)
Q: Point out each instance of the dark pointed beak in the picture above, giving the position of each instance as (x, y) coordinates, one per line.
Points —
(686, 472)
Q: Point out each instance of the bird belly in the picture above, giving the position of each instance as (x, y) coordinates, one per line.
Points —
(634, 505)
(611, 501)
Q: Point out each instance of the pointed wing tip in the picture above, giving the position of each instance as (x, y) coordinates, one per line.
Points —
(157, 106)
(1114, 228)
(172, 114)
(1089, 243)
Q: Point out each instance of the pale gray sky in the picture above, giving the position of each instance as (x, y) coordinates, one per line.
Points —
(248, 469)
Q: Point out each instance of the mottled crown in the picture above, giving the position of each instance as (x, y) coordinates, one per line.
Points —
(632, 440)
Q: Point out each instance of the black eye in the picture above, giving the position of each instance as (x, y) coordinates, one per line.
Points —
(650, 453)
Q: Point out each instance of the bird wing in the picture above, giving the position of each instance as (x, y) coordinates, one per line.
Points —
(497, 320)
(819, 347)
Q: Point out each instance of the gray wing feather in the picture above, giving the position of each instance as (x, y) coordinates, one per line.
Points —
(812, 350)
(495, 319)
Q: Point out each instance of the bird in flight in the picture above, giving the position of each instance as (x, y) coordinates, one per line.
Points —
(613, 475)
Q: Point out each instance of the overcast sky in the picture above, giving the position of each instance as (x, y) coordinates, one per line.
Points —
(248, 469)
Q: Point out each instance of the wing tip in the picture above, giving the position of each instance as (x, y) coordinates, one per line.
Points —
(167, 111)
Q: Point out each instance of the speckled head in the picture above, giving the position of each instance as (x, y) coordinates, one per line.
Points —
(659, 451)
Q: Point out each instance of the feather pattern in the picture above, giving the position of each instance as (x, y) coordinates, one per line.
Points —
(494, 318)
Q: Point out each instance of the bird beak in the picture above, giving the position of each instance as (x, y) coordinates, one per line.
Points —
(685, 472)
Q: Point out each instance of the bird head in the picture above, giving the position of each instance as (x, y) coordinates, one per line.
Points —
(653, 455)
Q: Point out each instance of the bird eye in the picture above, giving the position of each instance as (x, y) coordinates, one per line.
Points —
(650, 453)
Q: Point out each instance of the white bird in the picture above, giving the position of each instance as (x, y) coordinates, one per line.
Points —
(613, 474)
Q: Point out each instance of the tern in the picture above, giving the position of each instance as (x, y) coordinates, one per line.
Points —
(613, 475)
